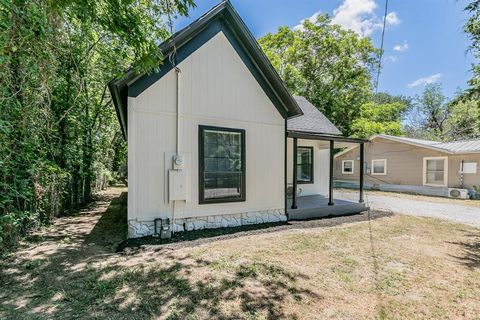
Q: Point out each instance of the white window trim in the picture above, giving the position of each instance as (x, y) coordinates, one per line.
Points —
(445, 171)
(384, 173)
(343, 166)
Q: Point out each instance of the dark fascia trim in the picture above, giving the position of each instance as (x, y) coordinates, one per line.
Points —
(324, 137)
(241, 39)
(311, 181)
(201, 166)
(116, 98)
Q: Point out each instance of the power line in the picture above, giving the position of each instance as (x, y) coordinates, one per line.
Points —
(381, 47)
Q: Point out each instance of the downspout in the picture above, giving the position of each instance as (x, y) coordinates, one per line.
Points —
(177, 136)
(177, 98)
(285, 170)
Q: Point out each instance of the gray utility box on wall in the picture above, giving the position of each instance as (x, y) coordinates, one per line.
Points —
(163, 228)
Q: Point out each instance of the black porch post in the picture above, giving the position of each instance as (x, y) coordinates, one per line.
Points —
(330, 180)
(294, 192)
(362, 161)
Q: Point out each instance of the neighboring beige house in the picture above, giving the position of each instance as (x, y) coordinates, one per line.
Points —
(208, 140)
(414, 165)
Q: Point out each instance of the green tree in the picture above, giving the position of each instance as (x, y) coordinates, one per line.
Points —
(328, 65)
(379, 119)
(57, 123)
(429, 113)
(472, 28)
(463, 121)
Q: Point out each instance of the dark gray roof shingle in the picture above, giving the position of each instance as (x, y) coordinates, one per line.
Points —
(312, 120)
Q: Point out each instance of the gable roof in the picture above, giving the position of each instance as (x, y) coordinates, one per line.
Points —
(312, 120)
(221, 18)
(454, 147)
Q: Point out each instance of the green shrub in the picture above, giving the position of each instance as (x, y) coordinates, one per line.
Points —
(14, 226)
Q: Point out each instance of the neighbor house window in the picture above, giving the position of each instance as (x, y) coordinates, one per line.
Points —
(221, 165)
(379, 167)
(305, 164)
(347, 166)
(435, 171)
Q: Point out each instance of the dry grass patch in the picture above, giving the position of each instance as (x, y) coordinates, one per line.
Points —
(398, 267)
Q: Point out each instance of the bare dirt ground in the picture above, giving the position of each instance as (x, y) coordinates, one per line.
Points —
(358, 267)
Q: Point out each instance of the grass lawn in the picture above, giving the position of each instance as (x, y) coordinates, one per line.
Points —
(391, 267)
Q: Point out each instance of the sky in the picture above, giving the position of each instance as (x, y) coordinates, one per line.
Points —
(424, 39)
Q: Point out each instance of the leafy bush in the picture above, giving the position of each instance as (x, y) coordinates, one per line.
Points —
(14, 226)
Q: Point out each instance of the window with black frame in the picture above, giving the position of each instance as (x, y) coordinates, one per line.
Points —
(305, 164)
(221, 164)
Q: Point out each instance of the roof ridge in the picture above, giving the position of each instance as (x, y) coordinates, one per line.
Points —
(402, 137)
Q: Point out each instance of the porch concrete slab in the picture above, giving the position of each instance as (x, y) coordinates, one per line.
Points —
(316, 206)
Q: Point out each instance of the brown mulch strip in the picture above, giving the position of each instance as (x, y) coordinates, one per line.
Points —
(200, 237)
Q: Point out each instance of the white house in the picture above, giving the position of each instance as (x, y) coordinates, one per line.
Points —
(208, 140)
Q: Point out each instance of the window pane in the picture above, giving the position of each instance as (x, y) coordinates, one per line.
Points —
(435, 178)
(222, 170)
(435, 171)
(434, 165)
(347, 166)
(223, 185)
(378, 167)
(211, 164)
(304, 164)
(210, 149)
(304, 155)
(210, 136)
(304, 172)
(236, 139)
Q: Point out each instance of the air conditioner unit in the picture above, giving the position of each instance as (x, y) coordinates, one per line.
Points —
(457, 193)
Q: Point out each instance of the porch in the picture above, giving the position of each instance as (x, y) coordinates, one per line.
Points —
(317, 206)
(315, 198)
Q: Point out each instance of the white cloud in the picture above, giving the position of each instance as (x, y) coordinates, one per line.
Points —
(312, 18)
(425, 80)
(391, 58)
(359, 16)
(401, 47)
(356, 15)
(392, 19)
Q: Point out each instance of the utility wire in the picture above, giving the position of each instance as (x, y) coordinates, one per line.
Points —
(381, 47)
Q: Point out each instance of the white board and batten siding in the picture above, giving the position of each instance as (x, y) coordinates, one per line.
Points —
(216, 89)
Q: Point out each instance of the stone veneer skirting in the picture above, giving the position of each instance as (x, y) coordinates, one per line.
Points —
(137, 229)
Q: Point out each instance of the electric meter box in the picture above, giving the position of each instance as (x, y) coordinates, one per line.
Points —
(177, 181)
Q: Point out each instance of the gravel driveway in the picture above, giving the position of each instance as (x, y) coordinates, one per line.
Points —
(427, 207)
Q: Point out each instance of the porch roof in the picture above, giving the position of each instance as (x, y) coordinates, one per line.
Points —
(323, 137)
(312, 120)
